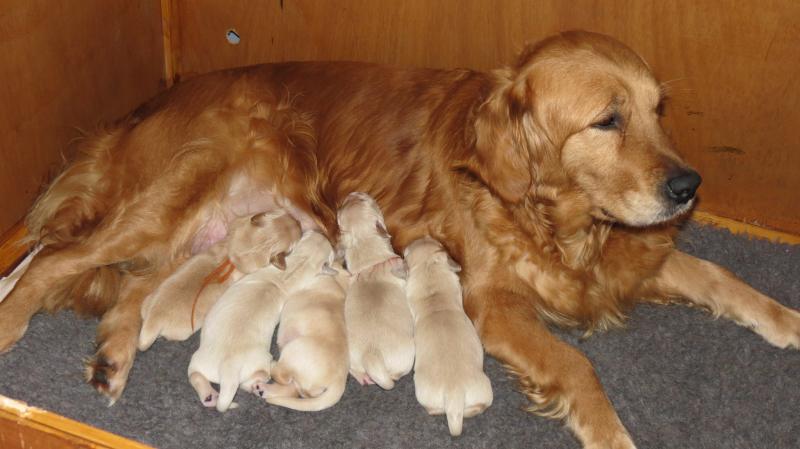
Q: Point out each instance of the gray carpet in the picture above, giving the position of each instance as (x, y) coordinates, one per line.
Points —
(677, 378)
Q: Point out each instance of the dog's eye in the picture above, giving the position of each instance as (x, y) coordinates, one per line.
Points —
(610, 122)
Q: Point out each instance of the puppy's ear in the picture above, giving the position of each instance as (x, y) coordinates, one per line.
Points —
(453, 265)
(503, 162)
(279, 260)
(381, 230)
(400, 269)
(258, 219)
(328, 270)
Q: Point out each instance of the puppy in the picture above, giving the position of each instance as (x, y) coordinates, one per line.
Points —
(448, 373)
(380, 328)
(177, 308)
(313, 341)
(234, 344)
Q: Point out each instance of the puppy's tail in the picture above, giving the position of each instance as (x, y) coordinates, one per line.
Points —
(228, 384)
(454, 408)
(375, 367)
(327, 399)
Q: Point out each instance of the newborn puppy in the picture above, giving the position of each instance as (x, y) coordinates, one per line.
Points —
(380, 329)
(313, 341)
(448, 372)
(177, 308)
(234, 344)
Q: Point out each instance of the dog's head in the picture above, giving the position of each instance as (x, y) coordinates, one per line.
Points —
(581, 111)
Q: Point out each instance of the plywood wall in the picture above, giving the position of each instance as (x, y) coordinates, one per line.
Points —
(65, 66)
(732, 66)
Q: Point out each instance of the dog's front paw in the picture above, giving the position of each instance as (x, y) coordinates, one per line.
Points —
(781, 328)
(619, 441)
(108, 374)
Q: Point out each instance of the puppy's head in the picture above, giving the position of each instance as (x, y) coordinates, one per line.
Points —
(313, 253)
(580, 111)
(425, 252)
(262, 239)
(360, 216)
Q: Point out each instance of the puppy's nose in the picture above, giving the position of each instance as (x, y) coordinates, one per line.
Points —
(682, 185)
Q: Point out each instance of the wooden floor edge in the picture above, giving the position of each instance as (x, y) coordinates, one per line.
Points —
(33, 419)
(738, 227)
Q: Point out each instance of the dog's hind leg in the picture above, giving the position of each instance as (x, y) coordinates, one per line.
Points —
(118, 334)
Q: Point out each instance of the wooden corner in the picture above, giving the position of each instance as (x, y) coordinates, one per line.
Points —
(26, 427)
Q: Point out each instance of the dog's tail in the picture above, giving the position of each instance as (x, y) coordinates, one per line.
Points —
(454, 408)
(375, 367)
(228, 384)
(328, 398)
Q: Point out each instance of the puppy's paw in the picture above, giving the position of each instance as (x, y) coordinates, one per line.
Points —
(273, 390)
(210, 401)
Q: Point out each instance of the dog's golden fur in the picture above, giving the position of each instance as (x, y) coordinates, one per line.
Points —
(544, 180)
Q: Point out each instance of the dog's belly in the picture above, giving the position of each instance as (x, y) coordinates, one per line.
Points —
(244, 197)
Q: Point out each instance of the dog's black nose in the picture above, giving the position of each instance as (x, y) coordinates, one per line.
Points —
(682, 185)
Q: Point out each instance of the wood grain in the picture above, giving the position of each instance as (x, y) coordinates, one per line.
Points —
(67, 66)
(25, 427)
(731, 66)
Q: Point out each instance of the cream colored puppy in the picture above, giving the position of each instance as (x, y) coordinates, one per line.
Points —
(448, 372)
(380, 328)
(234, 344)
(312, 370)
(177, 308)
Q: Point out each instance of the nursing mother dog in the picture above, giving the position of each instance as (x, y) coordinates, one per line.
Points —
(551, 182)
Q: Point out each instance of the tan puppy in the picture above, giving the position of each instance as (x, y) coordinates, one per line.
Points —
(234, 344)
(448, 373)
(177, 308)
(313, 341)
(380, 328)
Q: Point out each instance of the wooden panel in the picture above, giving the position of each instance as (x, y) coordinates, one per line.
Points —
(731, 66)
(67, 65)
(24, 427)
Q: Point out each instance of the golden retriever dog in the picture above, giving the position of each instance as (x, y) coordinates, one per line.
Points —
(311, 373)
(550, 181)
(380, 329)
(178, 307)
(448, 371)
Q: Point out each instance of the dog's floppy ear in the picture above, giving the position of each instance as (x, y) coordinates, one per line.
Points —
(279, 260)
(503, 162)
